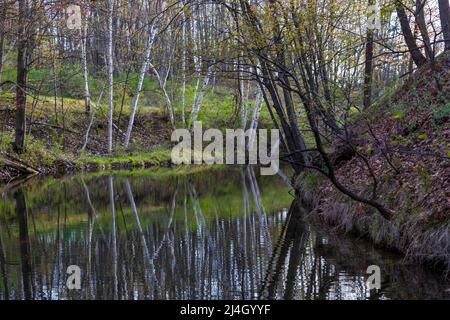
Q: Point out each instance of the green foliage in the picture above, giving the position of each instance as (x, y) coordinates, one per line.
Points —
(69, 80)
(398, 115)
(6, 139)
(311, 180)
(422, 136)
(399, 139)
(441, 113)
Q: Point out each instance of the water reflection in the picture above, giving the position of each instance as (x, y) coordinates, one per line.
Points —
(217, 234)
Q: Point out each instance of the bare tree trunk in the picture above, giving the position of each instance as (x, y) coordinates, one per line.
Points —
(183, 69)
(87, 95)
(255, 117)
(109, 55)
(2, 41)
(198, 102)
(297, 139)
(242, 90)
(368, 69)
(162, 81)
(416, 55)
(21, 94)
(195, 32)
(444, 12)
(91, 121)
(162, 85)
(420, 19)
(144, 66)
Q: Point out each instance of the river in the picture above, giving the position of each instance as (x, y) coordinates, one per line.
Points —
(216, 233)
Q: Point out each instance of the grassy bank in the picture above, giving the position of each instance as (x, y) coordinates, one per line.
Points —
(54, 147)
(57, 121)
(56, 127)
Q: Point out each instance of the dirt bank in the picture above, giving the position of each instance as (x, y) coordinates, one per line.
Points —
(406, 141)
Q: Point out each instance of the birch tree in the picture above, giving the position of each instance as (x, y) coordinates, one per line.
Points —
(183, 65)
(242, 90)
(198, 101)
(144, 66)
(84, 66)
(162, 85)
(109, 57)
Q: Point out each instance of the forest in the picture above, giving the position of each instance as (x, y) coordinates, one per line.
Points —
(359, 91)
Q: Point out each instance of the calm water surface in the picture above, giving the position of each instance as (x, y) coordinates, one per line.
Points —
(215, 234)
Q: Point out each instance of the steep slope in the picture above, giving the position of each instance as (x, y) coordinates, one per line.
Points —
(406, 141)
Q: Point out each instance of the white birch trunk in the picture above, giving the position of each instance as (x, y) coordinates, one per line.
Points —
(88, 130)
(87, 95)
(109, 54)
(145, 63)
(183, 67)
(196, 106)
(255, 116)
(162, 86)
(242, 90)
(197, 62)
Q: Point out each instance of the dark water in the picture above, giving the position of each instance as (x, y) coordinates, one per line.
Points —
(215, 234)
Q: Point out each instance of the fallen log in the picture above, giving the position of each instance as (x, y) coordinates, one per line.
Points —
(18, 164)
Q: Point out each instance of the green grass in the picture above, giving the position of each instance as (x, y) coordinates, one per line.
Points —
(136, 159)
(38, 154)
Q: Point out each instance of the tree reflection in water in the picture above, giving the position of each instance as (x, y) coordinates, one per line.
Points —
(220, 234)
